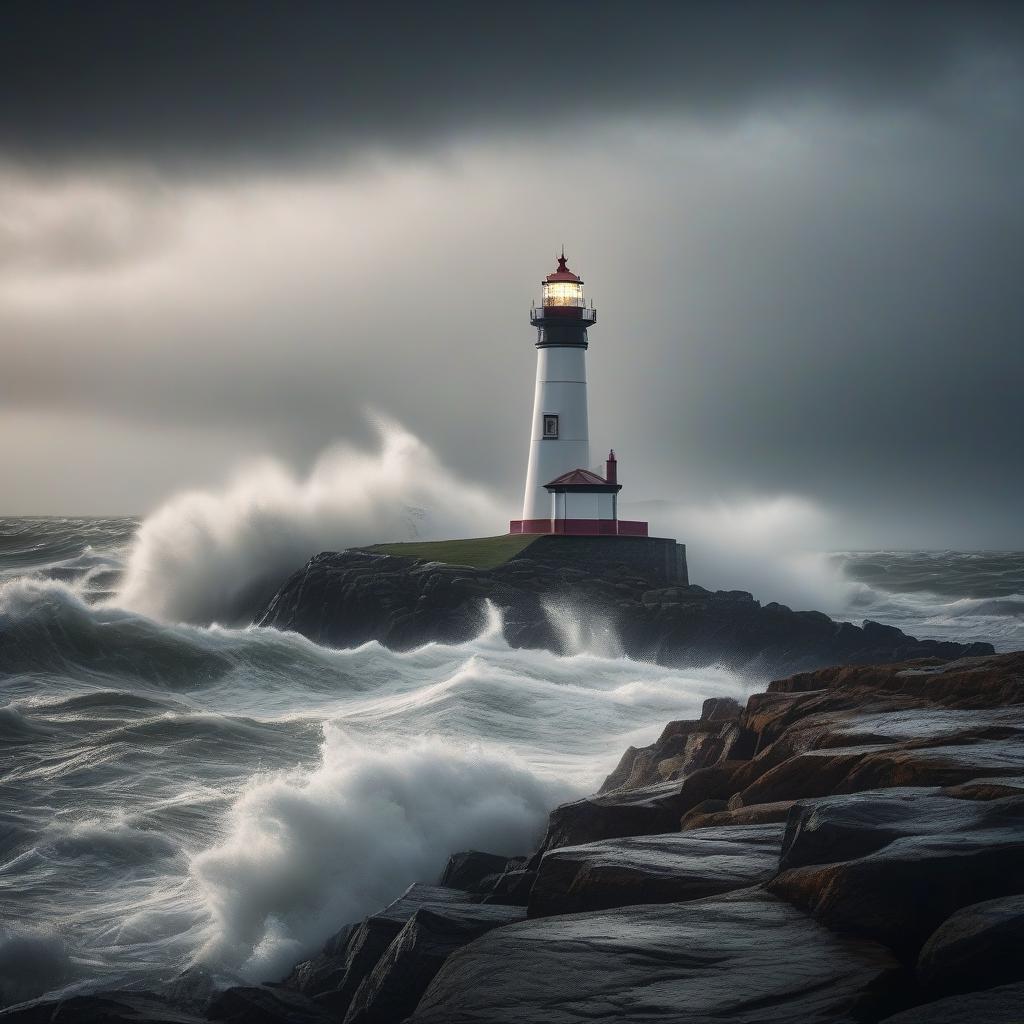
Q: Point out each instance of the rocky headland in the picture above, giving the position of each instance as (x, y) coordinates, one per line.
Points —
(849, 846)
(342, 599)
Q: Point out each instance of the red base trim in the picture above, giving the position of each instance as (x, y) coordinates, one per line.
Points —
(580, 527)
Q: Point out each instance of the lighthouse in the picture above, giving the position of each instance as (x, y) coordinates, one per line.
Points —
(563, 494)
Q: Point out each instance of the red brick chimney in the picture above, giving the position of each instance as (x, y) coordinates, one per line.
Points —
(611, 469)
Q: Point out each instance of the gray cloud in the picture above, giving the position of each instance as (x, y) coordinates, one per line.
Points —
(237, 81)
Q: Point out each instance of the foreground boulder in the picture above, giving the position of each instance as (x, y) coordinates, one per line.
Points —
(894, 866)
(392, 989)
(377, 970)
(654, 869)
(343, 599)
(641, 811)
(332, 977)
(993, 1006)
(741, 957)
(262, 1004)
(957, 725)
(980, 946)
(471, 869)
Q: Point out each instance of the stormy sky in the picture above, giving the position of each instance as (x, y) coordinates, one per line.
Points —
(229, 230)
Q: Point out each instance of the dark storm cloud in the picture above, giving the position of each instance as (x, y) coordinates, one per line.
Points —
(209, 82)
(803, 225)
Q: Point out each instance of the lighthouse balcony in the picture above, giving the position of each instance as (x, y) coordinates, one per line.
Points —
(538, 314)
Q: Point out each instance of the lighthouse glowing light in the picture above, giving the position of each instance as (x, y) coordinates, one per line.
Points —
(562, 495)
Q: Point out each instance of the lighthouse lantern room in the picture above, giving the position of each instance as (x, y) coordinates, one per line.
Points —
(564, 496)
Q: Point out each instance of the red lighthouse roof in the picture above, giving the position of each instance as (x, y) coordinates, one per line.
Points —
(577, 477)
(563, 273)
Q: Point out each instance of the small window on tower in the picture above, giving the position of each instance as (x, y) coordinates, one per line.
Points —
(550, 427)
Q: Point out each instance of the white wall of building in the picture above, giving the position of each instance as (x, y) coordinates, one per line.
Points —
(574, 505)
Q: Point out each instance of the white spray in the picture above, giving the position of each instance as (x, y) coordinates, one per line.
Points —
(216, 556)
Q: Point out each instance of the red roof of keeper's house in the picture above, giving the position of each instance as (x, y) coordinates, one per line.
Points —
(563, 273)
(576, 477)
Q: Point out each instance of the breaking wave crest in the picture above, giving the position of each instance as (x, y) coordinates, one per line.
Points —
(310, 849)
(210, 556)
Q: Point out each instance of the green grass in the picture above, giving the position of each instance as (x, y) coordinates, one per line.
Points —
(481, 552)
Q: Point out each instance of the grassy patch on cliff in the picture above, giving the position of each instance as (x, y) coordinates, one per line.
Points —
(481, 552)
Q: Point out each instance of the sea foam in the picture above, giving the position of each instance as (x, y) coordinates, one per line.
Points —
(309, 850)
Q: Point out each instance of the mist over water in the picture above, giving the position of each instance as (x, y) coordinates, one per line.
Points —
(177, 792)
(773, 546)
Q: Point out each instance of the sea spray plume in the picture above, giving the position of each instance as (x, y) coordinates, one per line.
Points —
(583, 630)
(309, 851)
(216, 556)
(772, 546)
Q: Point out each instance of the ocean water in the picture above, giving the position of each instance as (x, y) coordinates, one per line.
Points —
(189, 793)
(937, 595)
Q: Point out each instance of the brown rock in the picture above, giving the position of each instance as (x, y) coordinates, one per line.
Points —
(758, 814)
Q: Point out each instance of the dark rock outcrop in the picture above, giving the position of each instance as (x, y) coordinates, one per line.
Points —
(512, 888)
(468, 869)
(893, 866)
(333, 976)
(639, 811)
(263, 1004)
(830, 732)
(392, 989)
(670, 868)
(740, 957)
(377, 970)
(343, 599)
(992, 1006)
(980, 946)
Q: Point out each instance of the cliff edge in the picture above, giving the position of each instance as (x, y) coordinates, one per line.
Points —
(342, 599)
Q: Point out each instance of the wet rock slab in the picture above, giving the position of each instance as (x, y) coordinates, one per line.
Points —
(892, 866)
(743, 957)
(654, 869)
(980, 946)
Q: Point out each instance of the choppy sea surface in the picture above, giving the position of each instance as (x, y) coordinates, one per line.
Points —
(177, 794)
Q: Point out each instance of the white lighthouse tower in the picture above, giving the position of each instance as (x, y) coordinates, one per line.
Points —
(560, 435)
(564, 496)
